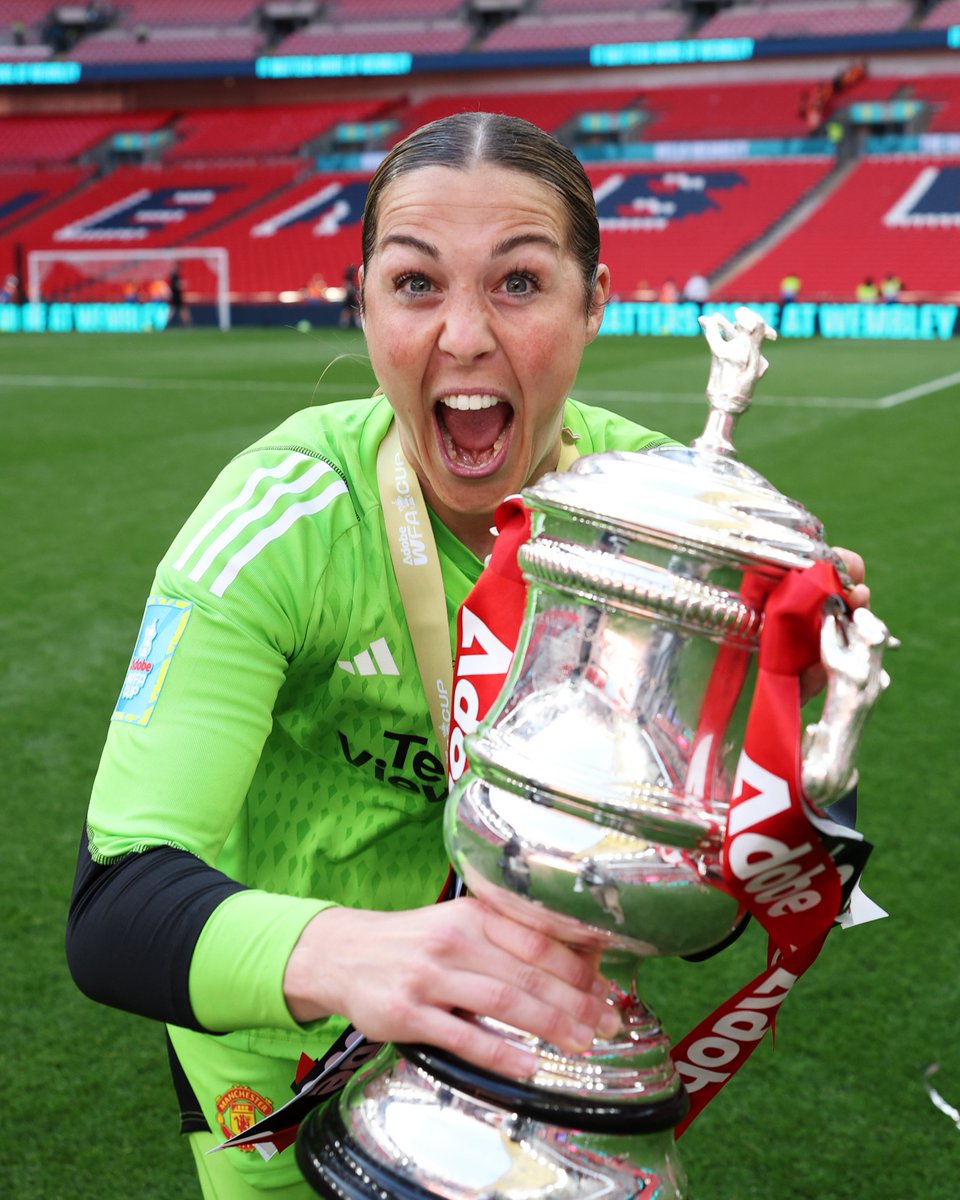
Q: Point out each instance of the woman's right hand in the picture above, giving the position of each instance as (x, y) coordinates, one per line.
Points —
(419, 975)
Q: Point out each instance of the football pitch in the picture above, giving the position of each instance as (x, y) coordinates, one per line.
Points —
(109, 441)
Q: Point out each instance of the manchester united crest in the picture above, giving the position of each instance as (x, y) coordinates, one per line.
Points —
(240, 1107)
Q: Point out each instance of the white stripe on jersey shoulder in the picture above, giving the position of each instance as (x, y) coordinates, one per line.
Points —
(265, 536)
(255, 517)
(261, 473)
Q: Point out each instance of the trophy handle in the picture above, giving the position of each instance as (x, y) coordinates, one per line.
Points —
(851, 648)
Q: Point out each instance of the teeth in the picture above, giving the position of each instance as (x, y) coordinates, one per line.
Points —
(469, 403)
(473, 458)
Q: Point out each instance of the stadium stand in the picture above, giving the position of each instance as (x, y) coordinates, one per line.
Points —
(61, 138)
(304, 235)
(31, 14)
(360, 37)
(588, 7)
(942, 15)
(173, 12)
(808, 19)
(261, 133)
(732, 110)
(24, 194)
(942, 93)
(669, 222)
(551, 110)
(887, 215)
(172, 43)
(386, 10)
(140, 208)
(19, 42)
(535, 33)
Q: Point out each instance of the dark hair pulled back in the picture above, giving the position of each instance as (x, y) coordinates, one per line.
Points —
(469, 139)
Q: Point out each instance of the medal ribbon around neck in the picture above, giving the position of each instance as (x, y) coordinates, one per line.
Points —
(416, 564)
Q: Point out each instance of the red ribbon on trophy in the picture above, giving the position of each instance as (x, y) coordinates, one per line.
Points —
(488, 628)
(775, 860)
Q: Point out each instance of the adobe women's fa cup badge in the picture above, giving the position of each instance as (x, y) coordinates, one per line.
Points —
(639, 785)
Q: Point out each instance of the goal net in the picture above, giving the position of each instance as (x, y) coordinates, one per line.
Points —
(132, 276)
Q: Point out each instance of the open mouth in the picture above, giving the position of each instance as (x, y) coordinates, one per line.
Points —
(474, 431)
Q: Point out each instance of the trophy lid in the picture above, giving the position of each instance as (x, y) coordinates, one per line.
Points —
(698, 498)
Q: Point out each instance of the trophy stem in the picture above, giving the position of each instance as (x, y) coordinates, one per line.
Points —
(717, 436)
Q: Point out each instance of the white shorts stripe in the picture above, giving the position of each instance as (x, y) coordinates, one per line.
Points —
(272, 497)
(246, 492)
(272, 532)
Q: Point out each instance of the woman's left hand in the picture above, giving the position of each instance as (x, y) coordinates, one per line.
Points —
(857, 596)
(814, 680)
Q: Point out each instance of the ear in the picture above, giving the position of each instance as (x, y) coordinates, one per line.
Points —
(360, 295)
(601, 294)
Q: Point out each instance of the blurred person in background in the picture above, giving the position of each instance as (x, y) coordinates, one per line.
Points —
(790, 286)
(179, 309)
(697, 289)
(867, 291)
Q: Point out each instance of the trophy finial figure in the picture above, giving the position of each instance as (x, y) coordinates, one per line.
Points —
(736, 365)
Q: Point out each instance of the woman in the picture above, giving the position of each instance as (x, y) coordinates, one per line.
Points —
(264, 843)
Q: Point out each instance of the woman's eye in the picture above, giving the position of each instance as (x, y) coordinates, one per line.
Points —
(413, 284)
(520, 283)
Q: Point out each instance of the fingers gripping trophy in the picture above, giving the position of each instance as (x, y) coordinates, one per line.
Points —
(640, 786)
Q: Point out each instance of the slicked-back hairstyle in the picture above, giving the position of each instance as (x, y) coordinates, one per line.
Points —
(466, 140)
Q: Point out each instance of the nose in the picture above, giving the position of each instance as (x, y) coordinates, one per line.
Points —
(467, 331)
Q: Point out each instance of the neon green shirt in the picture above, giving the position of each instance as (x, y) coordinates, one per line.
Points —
(273, 723)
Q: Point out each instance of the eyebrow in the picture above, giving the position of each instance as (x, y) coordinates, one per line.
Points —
(524, 239)
(507, 246)
(404, 239)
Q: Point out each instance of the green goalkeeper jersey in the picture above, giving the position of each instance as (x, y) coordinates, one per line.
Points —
(272, 722)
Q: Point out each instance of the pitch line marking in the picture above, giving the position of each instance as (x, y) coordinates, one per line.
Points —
(588, 394)
(197, 385)
(922, 389)
(601, 397)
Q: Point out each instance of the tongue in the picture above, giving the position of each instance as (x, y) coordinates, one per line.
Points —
(476, 428)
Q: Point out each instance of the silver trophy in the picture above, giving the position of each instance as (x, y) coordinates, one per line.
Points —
(592, 809)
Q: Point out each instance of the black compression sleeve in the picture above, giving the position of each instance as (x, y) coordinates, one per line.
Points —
(133, 926)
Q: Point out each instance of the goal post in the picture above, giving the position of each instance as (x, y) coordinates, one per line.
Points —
(117, 266)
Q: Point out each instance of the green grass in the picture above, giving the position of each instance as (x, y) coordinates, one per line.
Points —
(108, 442)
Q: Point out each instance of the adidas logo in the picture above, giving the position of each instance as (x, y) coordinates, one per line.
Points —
(376, 661)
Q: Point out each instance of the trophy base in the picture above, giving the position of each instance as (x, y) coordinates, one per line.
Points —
(401, 1130)
(588, 1113)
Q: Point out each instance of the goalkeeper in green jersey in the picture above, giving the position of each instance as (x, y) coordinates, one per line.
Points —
(263, 850)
